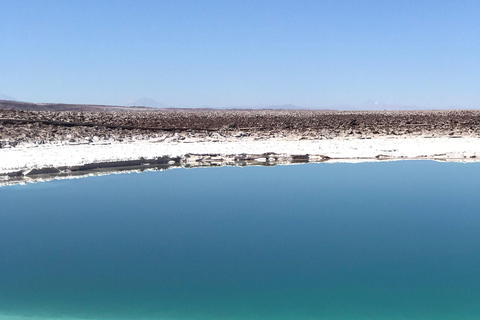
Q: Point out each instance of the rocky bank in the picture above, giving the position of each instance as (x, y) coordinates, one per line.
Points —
(24, 128)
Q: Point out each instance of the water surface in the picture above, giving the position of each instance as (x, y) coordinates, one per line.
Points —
(397, 240)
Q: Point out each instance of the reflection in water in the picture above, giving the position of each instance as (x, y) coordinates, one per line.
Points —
(321, 241)
(33, 175)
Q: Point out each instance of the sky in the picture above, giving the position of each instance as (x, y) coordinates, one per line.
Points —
(229, 53)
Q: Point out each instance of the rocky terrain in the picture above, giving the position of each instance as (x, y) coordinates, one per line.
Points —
(172, 125)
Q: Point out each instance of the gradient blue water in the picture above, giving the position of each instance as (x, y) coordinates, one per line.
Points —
(398, 240)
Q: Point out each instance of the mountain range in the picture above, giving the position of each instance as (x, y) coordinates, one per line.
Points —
(30, 106)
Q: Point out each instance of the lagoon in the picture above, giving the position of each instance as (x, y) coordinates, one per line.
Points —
(389, 240)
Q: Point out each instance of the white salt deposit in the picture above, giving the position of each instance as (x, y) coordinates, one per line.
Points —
(345, 150)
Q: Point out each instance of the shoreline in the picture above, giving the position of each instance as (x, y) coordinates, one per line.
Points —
(54, 161)
(56, 143)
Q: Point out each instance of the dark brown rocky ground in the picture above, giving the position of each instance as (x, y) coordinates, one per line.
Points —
(40, 127)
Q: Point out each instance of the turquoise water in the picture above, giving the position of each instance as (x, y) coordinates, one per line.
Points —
(397, 240)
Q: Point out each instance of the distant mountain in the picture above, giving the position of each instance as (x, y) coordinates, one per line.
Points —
(5, 97)
(30, 106)
(276, 107)
(377, 105)
(374, 105)
(147, 102)
(284, 107)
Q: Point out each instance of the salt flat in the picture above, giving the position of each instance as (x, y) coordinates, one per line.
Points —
(460, 149)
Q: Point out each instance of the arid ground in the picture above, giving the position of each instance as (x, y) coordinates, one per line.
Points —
(44, 127)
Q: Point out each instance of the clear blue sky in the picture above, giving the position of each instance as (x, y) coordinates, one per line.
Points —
(242, 53)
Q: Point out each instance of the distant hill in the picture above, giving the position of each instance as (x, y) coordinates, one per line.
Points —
(378, 105)
(5, 97)
(139, 105)
(30, 106)
(284, 107)
(373, 105)
(147, 102)
(269, 107)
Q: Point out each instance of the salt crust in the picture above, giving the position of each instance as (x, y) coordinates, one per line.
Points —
(344, 150)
